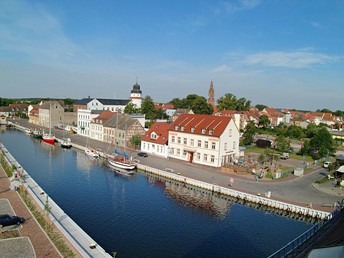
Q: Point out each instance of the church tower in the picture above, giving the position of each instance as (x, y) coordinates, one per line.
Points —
(136, 95)
(211, 95)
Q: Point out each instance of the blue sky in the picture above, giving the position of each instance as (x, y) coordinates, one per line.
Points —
(281, 53)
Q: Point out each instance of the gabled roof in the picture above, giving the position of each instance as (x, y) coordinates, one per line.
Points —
(46, 104)
(104, 117)
(114, 102)
(160, 129)
(201, 124)
(120, 121)
(163, 106)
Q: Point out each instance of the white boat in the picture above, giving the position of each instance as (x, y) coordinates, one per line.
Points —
(92, 153)
(121, 163)
(66, 143)
(28, 131)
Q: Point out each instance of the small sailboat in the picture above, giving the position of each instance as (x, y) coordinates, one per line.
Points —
(121, 161)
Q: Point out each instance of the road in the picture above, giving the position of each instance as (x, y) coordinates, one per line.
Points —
(298, 190)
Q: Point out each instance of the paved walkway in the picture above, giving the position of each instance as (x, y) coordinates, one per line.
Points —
(41, 243)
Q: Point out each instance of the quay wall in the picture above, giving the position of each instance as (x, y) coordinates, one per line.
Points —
(75, 235)
(292, 208)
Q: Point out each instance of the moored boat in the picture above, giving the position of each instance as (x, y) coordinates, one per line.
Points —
(92, 153)
(37, 134)
(48, 138)
(121, 161)
(66, 143)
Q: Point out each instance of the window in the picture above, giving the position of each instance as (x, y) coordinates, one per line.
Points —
(185, 141)
(211, 132)
(203, 131)
(172, 151)
(198, 156)
(206, 144)
(234, 145)
(199, 143)
(205, 157)
(212, 158)
(230, 132)
(192, 142)
(183, 128)
(173, 139)
(178, 152)
(213, 145)
(192, 129)
(184, 154)
(176, 127)
(179, 140)
(225, 146)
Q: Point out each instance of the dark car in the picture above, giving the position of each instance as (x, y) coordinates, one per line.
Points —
(142, 154)
(7, 220)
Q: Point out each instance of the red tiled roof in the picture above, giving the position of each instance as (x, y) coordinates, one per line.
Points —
(159, 128)
(164, 106)
(187, 123)
(104, 116)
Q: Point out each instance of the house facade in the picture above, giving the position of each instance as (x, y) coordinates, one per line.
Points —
(119, 130)
(84, 119)
(204, 139)
(97, 125)
(155, 140)
(114, 105)
(55, 116)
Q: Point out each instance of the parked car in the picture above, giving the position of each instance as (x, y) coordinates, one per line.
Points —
(142, 154)
(326, 164)
(7, 220)
(285, 155)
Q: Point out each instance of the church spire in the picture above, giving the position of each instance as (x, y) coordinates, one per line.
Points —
(211, 97)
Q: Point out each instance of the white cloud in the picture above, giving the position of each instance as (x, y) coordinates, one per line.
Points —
(297, 59)
(221, 69)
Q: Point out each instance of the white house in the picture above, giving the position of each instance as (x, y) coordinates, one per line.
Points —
(204, 139)
(155, 140)
(84, 119)
(113, 105)
(97, 125)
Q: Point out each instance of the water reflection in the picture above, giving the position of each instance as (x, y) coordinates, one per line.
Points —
(85, 163)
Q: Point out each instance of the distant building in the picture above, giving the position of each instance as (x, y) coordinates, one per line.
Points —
(97, 125)
(136, 95)
(211, 97)
(114, 105)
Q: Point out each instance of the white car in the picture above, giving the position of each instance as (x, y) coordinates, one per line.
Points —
(326, 164)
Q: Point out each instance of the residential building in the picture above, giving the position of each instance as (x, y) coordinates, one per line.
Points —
(50, 112)
(119, 130)
(34, 115)
(155, 140)
(204, 139)
(84, 119)
(97, 125)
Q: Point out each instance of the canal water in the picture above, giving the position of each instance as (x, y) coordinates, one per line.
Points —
(147, 216)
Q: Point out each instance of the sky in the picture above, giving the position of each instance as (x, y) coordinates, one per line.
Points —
(280, 53)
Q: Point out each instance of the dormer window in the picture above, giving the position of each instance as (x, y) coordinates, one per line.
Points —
(203, 131)
(176, 127)
(192, 129)
(182, 128)
(211, 132)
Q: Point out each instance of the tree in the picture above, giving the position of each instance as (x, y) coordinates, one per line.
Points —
(282, 144)
(248, 134)
(131, 108)
(311, 130)
(135, 140)
(147, 107)
(200, 106)
(322, 144)
(230, 102)
(295, 132)
(260, 106)
(264, 121)
(176, 102)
